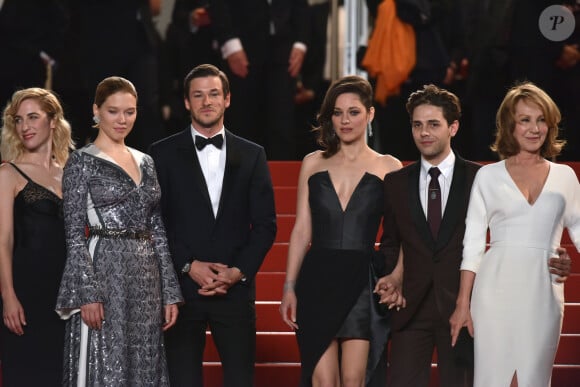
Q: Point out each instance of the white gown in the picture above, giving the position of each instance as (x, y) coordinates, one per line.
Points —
(516, 305)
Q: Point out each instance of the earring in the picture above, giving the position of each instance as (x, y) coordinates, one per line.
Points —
(96, 119)
(369, 129)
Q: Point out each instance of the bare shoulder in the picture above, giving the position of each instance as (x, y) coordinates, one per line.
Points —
(312, 163)
(386, 164)
(9, 178)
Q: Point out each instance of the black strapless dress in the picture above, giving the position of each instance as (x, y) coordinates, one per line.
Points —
(334, 286)
(36, 358)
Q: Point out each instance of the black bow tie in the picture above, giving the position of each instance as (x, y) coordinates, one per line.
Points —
(201, 142)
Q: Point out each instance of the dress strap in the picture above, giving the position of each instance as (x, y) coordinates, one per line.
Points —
(20, 171)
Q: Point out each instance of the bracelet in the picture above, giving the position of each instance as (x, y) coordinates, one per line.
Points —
(289, 285)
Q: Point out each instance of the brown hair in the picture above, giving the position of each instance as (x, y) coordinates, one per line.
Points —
(505, 143)
(202, 71)
(110, 86)
(326, 136)
(433, 95)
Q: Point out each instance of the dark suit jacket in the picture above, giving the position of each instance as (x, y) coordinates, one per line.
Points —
(245, 226)
(249, 21)
(426, 261)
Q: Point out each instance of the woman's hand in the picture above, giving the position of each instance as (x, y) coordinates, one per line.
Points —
(13, 314)
(171, 312)
(460, 318)
(93, 315)
(288, 306)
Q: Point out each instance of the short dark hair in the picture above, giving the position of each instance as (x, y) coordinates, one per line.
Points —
(435, 96)
(202, 71)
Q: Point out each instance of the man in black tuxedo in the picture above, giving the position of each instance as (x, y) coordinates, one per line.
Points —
(218, 207)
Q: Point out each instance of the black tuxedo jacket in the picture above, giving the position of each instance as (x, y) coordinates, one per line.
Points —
(427, 261)
(245, 226)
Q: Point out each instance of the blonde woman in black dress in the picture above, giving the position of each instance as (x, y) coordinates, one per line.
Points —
(36, 140)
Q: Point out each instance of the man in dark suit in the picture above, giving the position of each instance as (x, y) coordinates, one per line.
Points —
(218, 207)
(424, 219)
(264, 44)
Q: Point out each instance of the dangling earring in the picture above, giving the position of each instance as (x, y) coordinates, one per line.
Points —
(369, 129)
(96, 119)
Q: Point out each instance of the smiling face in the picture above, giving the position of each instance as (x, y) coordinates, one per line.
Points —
(117, 116)
(432, 133)
(350, 117)
(33, 126)
(207, 104)
(530, 127)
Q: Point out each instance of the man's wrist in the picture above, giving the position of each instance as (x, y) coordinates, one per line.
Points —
(243, 277)
(187, 267)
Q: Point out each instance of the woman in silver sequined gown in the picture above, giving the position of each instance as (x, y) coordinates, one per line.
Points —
(118, 272)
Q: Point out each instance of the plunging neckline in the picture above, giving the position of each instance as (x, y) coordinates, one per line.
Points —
(104, 156)
(521, 193)
(345, 208)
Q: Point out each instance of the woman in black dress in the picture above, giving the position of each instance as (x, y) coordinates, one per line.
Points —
(36, 140)
(328, 296)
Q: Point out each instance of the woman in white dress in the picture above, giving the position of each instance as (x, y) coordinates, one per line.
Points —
(525, 201)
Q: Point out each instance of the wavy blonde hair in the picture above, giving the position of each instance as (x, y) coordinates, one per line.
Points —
(10, 145)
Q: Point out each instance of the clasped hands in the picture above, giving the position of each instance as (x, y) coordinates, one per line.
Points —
(214, 278)
(390, 290)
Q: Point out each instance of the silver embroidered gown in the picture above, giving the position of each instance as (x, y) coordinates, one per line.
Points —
(133, 276)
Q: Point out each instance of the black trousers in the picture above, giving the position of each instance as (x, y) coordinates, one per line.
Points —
(233, 327)
(412, 351)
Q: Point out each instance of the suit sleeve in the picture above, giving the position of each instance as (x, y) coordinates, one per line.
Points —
(263, 219)
(222, 21)
(390, 240)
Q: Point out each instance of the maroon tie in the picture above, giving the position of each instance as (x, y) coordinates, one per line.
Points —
(434, 202)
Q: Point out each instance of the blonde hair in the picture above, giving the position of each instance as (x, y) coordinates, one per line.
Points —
(505, 143)
(12, 148)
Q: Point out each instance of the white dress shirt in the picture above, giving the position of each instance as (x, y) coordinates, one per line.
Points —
(213, 164)
(446, 168)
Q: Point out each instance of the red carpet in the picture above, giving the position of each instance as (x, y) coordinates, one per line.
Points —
(277, 362)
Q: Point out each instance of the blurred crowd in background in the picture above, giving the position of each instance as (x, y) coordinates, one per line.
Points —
(475, 48)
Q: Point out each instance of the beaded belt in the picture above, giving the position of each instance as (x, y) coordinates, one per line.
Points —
(114, 233)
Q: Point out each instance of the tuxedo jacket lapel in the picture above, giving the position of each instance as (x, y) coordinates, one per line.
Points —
(191, 166)
(416, 210)
(233, 158)
(455, 203)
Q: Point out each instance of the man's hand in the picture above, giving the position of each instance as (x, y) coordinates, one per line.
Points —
(238, 62)
(226, 277)
(561, 265)
(390, 290)
(200, 17)
(295, 61)
(205, 273)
